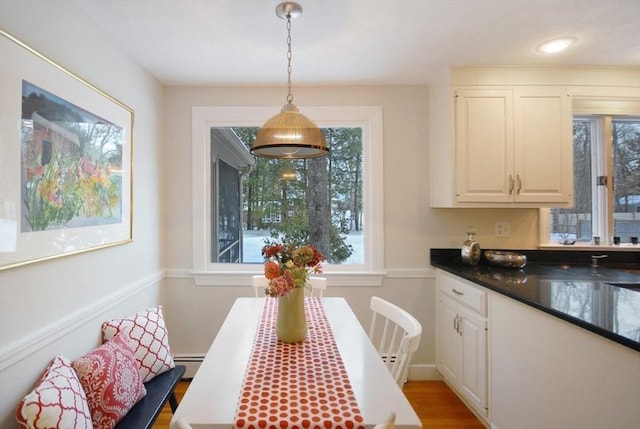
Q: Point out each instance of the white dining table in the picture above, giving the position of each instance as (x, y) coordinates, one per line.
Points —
(212, 396)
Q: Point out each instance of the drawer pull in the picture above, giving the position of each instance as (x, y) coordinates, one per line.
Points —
(457, 292)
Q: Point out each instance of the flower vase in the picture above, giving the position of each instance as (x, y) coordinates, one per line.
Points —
(291, 323)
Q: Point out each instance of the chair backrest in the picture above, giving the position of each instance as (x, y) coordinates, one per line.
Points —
(182, 423)
(389, 422)
(396, 335)
(318, 285)
(259, 283)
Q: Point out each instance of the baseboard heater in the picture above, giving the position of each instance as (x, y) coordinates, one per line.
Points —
(192, 362)
(416, 371)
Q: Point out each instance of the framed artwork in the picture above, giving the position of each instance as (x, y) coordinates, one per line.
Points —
(66, 153)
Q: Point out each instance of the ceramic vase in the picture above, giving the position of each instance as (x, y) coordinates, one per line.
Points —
(291, 323)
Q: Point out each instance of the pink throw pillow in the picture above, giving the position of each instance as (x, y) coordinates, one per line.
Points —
(148, 336)
(57, 401)
(110, 376)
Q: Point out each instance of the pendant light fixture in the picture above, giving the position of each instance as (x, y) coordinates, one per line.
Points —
(289, 134)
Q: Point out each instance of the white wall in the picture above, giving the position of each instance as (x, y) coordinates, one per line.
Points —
(58, 306)
(411, 226)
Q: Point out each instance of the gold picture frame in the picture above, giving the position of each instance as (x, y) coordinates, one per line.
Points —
(66, 161)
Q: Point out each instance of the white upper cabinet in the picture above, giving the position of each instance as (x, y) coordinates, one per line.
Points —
(513, 146)
(484, 146)
(543, 146)
(503, 136)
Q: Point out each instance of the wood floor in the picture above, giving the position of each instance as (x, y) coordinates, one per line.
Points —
(436, 405)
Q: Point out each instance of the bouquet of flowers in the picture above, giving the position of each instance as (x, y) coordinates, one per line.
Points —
(288, 267)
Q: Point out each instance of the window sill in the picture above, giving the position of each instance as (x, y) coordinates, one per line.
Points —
(203, 278)
(624, 247)
(345, 278)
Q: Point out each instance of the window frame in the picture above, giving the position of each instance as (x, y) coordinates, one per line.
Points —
(602, 111)
(369, 118)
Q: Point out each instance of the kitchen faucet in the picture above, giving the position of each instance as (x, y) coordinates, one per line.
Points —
(594, 260)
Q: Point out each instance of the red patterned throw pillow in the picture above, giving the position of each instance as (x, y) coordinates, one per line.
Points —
(148, 337)
(57, 401)
(110, 376)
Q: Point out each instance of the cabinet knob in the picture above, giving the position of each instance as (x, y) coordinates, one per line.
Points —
(457, 292)
(510, 184)
(519, 181)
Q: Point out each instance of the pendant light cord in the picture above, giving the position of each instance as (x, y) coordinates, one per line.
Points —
(290, 95)
(289, 134)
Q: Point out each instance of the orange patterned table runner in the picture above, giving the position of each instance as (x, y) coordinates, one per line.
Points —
(296, 386)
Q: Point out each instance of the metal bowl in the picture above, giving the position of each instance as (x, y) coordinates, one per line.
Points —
(506, 259)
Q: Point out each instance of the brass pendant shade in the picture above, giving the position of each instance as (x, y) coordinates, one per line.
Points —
(289, 134)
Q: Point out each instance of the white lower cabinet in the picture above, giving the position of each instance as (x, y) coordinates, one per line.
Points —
(461, 339)
(548, 373)
(518, 367)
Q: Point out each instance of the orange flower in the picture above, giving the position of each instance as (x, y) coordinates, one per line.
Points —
(288, 266)
(271, 270)
(271, 251)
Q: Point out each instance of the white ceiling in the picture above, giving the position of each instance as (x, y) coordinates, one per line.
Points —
(238, 42)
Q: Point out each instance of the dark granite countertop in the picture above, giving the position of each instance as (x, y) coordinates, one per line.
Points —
(603, 300)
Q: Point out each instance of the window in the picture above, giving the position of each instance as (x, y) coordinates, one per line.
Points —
(229, 226)
(316, 201)
(606, 152)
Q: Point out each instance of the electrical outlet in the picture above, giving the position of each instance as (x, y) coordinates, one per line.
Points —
(503, 229)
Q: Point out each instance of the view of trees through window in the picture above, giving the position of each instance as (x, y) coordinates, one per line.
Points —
(606, 154)
(318, 201)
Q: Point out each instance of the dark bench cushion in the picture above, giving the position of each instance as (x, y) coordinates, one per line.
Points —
(159, 390)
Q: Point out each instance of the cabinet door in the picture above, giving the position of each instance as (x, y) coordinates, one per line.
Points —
(543, 146)
(473, 380)
(484, 145)
(448, 343)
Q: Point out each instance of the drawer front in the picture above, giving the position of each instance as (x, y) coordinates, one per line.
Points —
(462, 291)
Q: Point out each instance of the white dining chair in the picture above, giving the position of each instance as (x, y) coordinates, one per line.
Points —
(182, 423)
(259, 283)
(318, 286)
(396, 335)
(389, 422)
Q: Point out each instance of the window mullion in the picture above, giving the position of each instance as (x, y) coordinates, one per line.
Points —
(601, 178)
(607, 210)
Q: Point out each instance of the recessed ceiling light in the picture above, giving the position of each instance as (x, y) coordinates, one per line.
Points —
(556, 45)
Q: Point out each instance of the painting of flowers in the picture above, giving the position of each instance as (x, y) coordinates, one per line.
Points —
(71, 161)
(66, 161)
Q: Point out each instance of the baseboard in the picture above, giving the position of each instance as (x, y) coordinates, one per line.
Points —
(424, 372)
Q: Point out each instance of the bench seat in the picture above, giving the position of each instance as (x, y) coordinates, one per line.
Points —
(160, 389)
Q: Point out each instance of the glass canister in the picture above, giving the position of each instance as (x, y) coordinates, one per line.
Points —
(470, 251)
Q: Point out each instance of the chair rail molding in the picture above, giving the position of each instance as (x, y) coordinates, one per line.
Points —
(18, 350)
